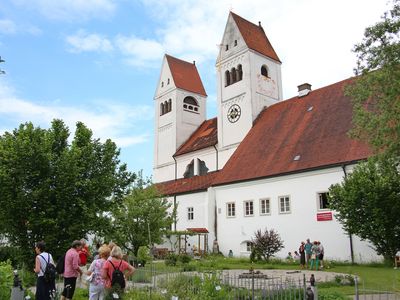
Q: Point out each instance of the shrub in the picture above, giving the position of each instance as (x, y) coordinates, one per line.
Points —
(184, 258)
(143, 255)
(6, 279)
(267, 243)
(188, 268)
(171, 259)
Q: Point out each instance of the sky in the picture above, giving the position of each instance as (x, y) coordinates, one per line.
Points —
(98, 61)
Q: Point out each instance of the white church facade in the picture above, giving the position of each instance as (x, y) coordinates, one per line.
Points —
(263, 162)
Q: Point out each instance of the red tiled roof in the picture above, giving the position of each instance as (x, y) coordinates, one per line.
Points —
(255, 37)
(187, 185)
(313, 127)
(205, 136)
(185, 75)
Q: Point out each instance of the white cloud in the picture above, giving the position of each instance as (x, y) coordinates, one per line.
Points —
(139, 52)
(71, 10)
(85, 42)
(115, 121)
(7, 26)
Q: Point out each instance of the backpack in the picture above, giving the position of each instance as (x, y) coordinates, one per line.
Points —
(60, 265)
(117, 277)
(49, 273)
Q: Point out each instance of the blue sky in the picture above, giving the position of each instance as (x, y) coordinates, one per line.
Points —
(98, 61)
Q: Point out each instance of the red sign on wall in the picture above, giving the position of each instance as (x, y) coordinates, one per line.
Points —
(325, 216)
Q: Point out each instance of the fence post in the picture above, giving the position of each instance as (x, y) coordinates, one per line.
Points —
(304, 286)
(252, 284)
(356, 287)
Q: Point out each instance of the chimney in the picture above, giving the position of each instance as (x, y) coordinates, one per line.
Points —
(304, 89)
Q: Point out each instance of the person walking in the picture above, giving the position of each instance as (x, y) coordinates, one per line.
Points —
(71, 270)
(97, 282)
(43, 288)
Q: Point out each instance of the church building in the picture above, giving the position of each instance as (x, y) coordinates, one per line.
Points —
(262, 162)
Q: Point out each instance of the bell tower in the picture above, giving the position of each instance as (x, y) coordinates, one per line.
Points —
(180, 108)
(248, 80)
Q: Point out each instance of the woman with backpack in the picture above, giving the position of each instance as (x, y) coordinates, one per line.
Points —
(95, 272)
(115, 270)
(45, 284)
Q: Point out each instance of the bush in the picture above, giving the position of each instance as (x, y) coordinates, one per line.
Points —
(188, 268)
(6, 279)
(143, 255)
(171, 259)
(184, 258)
(267, 243)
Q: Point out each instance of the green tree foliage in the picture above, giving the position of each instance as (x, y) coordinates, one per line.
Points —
(56, 191)
(367, 204)
(376, 93)
(267, 243)
(142, 218)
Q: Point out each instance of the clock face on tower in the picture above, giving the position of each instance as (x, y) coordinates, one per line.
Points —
(234, 113)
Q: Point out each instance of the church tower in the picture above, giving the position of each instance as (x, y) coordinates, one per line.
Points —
(248, 80)
(180, 108)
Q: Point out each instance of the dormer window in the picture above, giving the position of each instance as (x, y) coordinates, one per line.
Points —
(190, 104)
(264, 71)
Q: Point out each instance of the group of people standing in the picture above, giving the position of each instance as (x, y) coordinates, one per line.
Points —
(100, 273)
(311, 255)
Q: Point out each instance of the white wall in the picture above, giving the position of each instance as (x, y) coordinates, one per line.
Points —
(208, 155)
(294, 227)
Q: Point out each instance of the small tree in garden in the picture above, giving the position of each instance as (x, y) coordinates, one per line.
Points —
(267, 243)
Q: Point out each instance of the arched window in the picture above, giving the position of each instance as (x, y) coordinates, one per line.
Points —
(162, 109)
(169, 105)
(264, 71)
(233, 75)
(190, 104)
(227, 78)
(239, 72)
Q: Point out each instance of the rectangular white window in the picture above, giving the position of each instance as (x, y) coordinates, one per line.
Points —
(230, 209)
(323, 201)
(190, 211)
(248, 208)
(284, 204)
(265, 207)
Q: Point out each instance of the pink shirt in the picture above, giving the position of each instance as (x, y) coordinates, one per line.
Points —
(71, 263)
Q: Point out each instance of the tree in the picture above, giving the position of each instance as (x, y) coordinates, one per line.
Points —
(376, 93)
(142, 218)
(55, 191)
(367, 204)
(267, 243)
